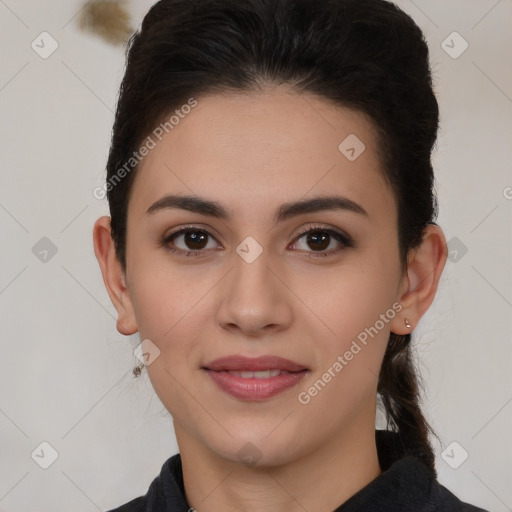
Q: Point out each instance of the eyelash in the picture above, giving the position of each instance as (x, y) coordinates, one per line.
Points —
(337, 235)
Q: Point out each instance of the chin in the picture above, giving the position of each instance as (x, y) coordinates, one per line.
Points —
(256, 448)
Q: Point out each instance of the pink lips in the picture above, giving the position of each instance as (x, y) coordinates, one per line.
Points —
(233, 375)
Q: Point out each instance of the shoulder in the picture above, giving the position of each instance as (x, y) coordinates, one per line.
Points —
(136, 505)
(164, 493)
(448, 502)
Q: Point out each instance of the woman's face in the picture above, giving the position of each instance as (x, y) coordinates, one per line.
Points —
(254, 285)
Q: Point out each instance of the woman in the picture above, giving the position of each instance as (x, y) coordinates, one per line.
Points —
(272, 240)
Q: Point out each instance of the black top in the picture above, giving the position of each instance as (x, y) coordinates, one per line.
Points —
(405, 485)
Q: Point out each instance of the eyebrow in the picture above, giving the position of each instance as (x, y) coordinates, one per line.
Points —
(285, 211)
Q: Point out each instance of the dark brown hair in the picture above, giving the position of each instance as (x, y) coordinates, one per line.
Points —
(367, 55)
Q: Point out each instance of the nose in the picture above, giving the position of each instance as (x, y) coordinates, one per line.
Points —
(255, 300)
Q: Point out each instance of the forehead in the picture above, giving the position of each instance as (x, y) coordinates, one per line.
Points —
(252, 151)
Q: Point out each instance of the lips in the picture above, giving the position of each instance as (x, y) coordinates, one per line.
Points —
(254, 379)
(242, 363)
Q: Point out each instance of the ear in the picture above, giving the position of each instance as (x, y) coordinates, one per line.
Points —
(113, 276)
(419, 284)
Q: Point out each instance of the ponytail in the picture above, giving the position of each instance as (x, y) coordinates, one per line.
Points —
(399, 389)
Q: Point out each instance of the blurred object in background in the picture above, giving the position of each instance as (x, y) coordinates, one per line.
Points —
(108, 19)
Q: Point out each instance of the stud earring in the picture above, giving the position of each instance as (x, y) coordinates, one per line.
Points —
(407, 323)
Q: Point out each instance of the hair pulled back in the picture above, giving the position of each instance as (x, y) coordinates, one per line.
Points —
(367, 55)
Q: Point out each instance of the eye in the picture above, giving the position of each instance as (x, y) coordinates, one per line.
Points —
(320, 238)
(192, 241)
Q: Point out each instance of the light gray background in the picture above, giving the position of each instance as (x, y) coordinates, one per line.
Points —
(65, 371)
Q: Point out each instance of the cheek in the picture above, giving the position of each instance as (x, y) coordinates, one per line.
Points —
(170, 312)
(346, 378)
(165, 299)
(171, 309)
(356, 299)
(358, 309)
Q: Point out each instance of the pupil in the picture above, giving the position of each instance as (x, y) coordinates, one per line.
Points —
(316, 237)
(195, 237)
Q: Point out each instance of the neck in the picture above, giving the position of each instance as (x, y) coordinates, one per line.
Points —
(318, 482)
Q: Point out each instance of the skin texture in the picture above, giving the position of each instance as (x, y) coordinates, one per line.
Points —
(252, 153)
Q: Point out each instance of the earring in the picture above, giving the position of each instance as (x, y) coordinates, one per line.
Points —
(407, 323)
(137, 370)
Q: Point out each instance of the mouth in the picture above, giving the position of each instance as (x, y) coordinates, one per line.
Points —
(261, 374)
(254, 379)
